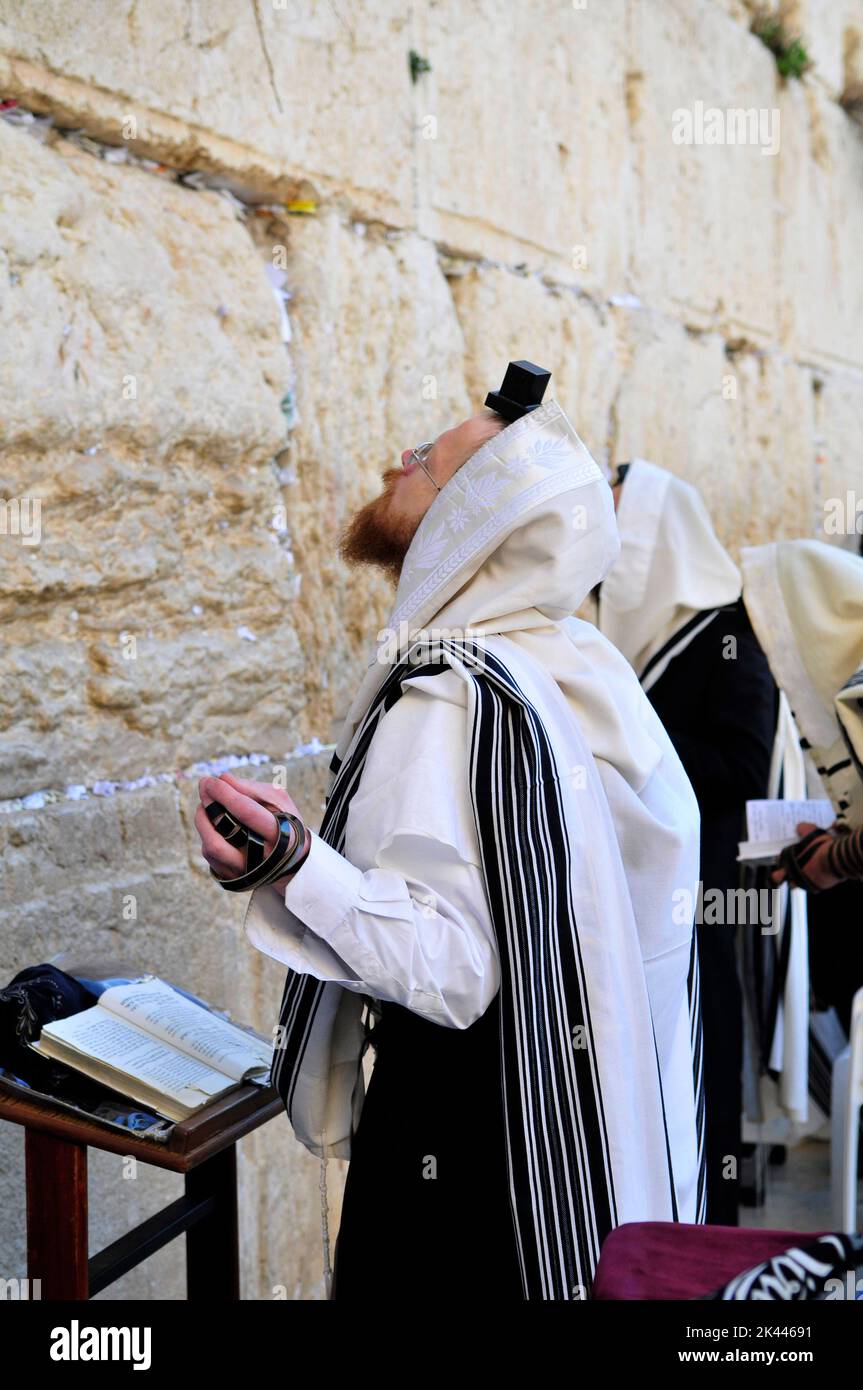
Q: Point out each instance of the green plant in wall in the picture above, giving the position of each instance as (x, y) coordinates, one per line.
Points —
(418, 64)
(792, 60)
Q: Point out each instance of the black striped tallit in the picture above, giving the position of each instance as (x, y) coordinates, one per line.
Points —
(696, 1044)
(675, 646)
(559, 1166)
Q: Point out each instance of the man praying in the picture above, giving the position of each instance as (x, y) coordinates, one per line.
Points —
(500, 898)
(672, 604)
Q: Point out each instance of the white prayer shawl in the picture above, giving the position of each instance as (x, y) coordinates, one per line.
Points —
(805, 600)
(668, 584)
(786, 1097)
(672, 574)
(505, 554)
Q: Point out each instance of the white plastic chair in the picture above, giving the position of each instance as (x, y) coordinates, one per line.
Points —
(845, 1104)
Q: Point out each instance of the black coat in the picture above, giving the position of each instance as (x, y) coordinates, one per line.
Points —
(720, 712)
(719, 704)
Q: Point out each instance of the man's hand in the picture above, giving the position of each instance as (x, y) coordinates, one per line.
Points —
(816, 867)
(243, 799)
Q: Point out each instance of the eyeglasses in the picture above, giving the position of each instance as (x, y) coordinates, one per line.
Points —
(420, 454)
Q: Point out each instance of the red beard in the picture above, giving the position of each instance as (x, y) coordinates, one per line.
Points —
(373, 537)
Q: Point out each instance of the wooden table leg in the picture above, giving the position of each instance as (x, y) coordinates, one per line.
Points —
(212, 1245)
(57, 1252)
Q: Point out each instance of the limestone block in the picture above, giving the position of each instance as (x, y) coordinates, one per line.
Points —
(506, 316)
(535, 168)
(379, 362)
(260, 90)
(839, 476)
(130, 278)
(76, 717)
(774, 480)
(737, 425)
(670, 407)
(123, 874)
(821, 196)
(743, 10)
(157, 513)
(703, 215)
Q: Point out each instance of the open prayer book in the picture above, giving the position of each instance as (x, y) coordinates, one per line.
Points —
(149, 1042)
(771, 825)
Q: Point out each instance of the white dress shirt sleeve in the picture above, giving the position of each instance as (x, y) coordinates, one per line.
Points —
(403, 916)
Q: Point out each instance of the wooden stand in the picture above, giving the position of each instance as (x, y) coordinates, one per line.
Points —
(203, 1148)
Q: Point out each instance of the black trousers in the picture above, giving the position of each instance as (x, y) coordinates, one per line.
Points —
(426, 1206)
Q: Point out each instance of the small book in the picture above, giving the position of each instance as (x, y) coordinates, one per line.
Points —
(771, 825)
(148, 1041)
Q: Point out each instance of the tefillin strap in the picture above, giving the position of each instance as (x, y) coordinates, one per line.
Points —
(287, 854)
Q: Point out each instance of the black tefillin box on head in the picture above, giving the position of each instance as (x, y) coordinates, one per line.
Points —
(522, 390)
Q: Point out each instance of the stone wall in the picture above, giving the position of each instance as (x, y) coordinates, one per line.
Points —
(195, 453)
